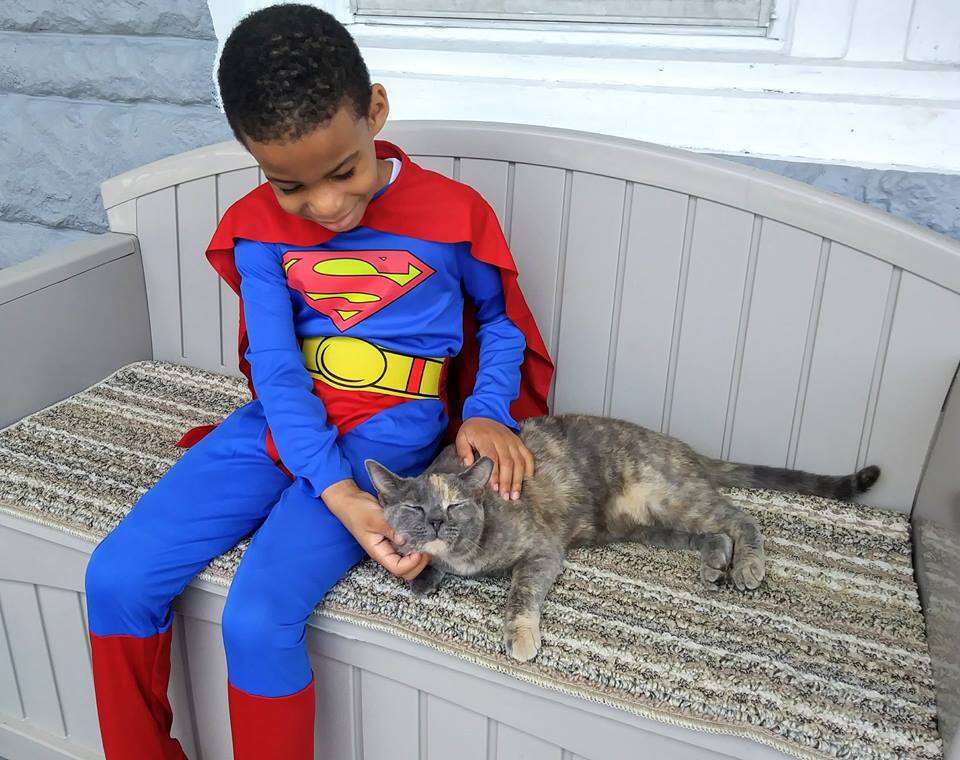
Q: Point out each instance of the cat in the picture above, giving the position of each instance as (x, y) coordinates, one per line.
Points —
(596, 480)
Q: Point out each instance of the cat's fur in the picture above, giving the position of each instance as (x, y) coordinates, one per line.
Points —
(596, 480)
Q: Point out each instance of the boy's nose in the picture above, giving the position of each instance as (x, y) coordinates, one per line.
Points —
(328, 218)
(327, 207)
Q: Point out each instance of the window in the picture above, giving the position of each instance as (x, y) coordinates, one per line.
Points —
(736, 16)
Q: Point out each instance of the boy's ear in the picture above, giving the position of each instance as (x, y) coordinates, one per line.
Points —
(477, 475)
(386, 482)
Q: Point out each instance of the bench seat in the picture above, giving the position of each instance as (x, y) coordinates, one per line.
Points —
(828, 658)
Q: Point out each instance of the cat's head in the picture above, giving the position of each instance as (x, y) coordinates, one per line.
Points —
(439, 513)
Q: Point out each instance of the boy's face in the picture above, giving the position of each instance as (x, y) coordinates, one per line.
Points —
(329, 175)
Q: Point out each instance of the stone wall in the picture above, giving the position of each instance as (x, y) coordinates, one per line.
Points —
(90, 89)
(930, 200)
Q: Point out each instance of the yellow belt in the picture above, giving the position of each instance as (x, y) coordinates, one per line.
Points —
(355, 364)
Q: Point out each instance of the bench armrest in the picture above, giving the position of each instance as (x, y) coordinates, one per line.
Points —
(68, 318)
(936, 550)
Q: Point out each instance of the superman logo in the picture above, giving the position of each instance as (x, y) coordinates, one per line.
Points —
(349, 286)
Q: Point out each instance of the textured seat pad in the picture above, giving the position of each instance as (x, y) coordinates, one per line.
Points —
(828, 658)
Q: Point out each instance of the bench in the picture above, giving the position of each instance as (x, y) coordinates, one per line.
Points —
(753, 316)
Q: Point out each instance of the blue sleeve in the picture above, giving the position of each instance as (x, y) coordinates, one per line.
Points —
(501, 344)
(297, 418)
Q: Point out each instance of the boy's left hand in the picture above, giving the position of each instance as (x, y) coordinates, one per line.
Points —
(512, 461)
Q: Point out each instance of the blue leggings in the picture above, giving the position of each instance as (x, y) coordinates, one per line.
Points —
(220, 490)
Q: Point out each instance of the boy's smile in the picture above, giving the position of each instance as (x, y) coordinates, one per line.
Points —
(330, 174)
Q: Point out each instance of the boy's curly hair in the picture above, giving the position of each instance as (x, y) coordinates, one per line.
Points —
(286, 70)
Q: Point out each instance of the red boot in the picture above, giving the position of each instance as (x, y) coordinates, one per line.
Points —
(272, 728)
(130, 679)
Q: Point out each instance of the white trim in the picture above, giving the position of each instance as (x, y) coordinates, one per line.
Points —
(822, 28)
(727, 94)
(823, 80)
(884, 133)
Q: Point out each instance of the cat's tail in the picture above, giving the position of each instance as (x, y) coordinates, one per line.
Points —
(781, 479)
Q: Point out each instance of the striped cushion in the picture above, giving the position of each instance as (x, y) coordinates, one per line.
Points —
(828, 658)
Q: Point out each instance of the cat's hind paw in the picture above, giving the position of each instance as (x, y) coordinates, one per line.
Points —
(522, 640)
(715, 555)
(748, 571)
(712, 577)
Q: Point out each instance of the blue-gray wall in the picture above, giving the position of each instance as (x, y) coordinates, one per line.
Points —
(931, 200)
(92, 88)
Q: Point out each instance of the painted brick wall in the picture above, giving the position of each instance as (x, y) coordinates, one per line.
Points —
(90, 89)
(931, 200)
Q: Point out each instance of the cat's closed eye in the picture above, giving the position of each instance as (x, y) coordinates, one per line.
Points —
(414, 507)
(456, 504)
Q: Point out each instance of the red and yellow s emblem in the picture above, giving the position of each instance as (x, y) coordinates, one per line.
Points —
(349, 286)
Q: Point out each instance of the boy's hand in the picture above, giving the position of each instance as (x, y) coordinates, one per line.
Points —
(362, 515)
(512, 461)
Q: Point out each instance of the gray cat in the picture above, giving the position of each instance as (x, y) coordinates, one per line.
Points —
(597, 480)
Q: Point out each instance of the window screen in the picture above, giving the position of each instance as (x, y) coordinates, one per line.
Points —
(735, 13)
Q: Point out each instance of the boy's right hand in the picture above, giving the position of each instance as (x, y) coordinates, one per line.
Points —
(362, 515)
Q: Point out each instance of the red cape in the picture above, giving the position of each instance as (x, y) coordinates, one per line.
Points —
(418, 203)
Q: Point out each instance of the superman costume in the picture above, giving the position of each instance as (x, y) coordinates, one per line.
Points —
(374, 342)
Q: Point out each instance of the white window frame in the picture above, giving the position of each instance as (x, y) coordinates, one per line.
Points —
(542, 21)
(559, 39)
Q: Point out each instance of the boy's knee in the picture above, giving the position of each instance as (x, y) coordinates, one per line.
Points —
(104, 576)
(116, 586)
(265, 655)
(250, 626)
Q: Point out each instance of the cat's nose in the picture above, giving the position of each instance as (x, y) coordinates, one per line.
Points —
(437, 524)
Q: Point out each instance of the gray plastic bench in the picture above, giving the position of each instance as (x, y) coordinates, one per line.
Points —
(757, 318)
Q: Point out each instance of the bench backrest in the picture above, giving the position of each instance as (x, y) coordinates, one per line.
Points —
(755, 317)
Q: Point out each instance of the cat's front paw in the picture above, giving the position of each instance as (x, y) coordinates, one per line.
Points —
(426, 583)
(405, 548)
(521, 639)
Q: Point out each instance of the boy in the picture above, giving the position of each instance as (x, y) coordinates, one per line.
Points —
(351, 264)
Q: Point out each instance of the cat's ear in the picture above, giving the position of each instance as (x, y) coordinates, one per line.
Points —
(477, 475)
(386, 482)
